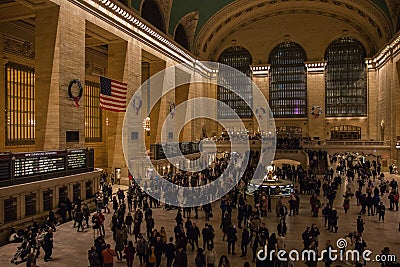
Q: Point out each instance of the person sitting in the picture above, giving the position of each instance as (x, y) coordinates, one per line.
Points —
(16, 237)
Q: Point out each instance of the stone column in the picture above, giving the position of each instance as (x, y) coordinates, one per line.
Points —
(21, 206)
(60, 58)
(39, 201)
(374, 125)
(154, 93)
(124, 64)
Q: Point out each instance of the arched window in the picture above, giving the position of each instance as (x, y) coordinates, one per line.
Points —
(152, 14)
(288, 81)
(346, 79)
(181, 37)
(239, 58)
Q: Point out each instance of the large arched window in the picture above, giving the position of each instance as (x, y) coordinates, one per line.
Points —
(239, 58)
(181, 37)
(152, 14)
(346, 79)
(288, 81)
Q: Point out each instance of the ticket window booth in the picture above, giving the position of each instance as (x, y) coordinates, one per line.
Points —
(117, 175)
(76, 193)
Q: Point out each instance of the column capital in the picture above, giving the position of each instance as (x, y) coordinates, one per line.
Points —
(260, 70)
(316, 66)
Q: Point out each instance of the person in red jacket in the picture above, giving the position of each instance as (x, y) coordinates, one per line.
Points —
(129, 252)
(101, 223)
(108, 256)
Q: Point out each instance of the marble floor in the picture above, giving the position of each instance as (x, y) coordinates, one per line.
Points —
(70, 247)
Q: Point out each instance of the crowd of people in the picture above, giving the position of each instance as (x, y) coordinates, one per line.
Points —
(137, 235)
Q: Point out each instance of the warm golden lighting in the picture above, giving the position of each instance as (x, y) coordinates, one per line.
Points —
(146, 124)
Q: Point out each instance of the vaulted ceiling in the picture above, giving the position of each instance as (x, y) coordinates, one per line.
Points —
(211, 23)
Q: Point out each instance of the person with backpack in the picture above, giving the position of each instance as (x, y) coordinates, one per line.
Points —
(93, 257)
(210, 256)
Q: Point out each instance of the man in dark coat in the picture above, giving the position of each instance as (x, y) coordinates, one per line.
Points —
(170, 252)
(245, 241)
(48, 245)
(181, 258)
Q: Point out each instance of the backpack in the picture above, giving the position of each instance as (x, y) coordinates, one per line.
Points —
(210, 257)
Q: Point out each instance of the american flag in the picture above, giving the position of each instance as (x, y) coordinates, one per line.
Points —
(112, 95)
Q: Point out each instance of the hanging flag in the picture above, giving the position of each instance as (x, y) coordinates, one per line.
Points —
(112, 95)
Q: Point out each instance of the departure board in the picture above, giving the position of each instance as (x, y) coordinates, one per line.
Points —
(36, 163)
(5, 160)
(76, 159)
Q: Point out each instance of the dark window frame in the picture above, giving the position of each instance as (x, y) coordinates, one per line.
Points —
(30, 204)
(240, 59)
(288, 81)
(48, 200)
(346, 88)
(19, 105)
(10, 209)
(93, 113)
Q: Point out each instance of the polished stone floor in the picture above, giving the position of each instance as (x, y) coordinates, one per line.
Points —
(70, 247)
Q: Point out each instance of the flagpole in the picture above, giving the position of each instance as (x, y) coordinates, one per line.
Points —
(95, 74)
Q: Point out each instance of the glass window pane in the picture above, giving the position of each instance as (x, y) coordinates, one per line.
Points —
(20, 104)
(239, 58)
(346, 79)
(93, 125)
(288, 81)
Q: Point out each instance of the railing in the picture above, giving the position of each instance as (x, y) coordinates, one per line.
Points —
(345, 143)
(21, 168)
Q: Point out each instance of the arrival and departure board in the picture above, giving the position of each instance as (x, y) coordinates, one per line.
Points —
(5, 160)
(36, 163)
(76, 159)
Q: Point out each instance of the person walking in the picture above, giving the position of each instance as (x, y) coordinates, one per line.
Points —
(245, 241)
(210, 256)
(381, 209)
(93, 257)
(48, 245)
(141, 248)
(170, 252)
(119, 244)
(128, 222)
(282, 228)
(181, 258)
(129, 252)
(232, 238)
(108, 256)
(200, 260)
